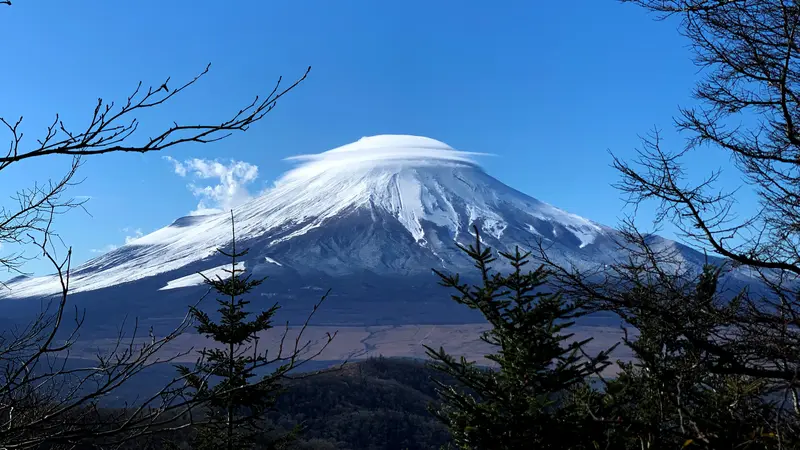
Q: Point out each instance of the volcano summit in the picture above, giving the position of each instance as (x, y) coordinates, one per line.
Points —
(364, 218)
(387, 204)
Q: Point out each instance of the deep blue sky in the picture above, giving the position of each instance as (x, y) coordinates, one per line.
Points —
(549, 87)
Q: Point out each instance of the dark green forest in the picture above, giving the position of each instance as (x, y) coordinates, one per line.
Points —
(378, 403)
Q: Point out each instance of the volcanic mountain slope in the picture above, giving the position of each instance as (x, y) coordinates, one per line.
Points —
(384, 207)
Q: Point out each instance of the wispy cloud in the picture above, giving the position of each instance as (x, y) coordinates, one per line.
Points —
(104, 249)
(131, 235)
(137, 233)
(384, 149)
(231, 178)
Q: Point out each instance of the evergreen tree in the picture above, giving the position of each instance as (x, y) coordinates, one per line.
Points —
(226, 379)
(699, 361)
(667, 397)
(536, 397)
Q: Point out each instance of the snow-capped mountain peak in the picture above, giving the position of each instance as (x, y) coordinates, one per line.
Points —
(384, 204)
(414, 178)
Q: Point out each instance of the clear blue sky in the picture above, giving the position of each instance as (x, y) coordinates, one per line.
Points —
(549, 87)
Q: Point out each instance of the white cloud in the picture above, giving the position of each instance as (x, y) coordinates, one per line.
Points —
(180, 169)
(383, 149)
(137, 233)
(230, 189)
(105, 249)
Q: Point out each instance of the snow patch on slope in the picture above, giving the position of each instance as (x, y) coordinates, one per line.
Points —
(197, 279)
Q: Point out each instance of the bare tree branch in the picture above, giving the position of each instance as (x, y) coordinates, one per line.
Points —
(110, 129)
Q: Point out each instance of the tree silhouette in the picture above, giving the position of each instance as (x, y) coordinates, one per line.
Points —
(226, 379)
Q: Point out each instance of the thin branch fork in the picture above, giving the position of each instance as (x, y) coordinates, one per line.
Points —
(109, 130)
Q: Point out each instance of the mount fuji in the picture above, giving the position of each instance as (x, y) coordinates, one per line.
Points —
(369, 219)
